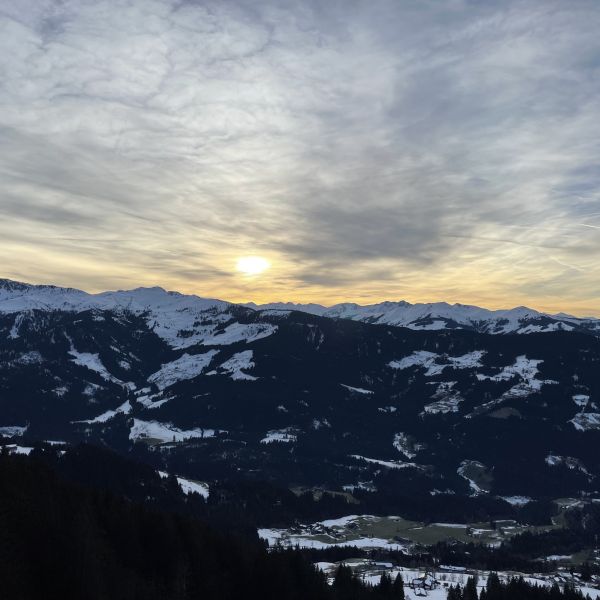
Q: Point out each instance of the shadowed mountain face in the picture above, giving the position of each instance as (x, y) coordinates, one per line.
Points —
(210, 390)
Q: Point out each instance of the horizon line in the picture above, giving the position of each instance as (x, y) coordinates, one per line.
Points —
(297, 303)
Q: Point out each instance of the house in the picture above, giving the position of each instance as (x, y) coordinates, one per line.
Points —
(424, 582)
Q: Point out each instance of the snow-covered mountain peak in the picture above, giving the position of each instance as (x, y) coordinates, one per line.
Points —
(313, 309)
(441, 315)
(9, 285)
(16, 296)
(181, 320)
(184, 320)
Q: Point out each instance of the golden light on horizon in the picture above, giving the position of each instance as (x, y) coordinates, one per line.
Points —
(252, 265)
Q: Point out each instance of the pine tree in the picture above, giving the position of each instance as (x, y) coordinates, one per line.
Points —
(586, 571)
(555, 592)
(470, 592)
(455, 593)
(493, 587)
(345, 584)
(384, 588)
(398, 588)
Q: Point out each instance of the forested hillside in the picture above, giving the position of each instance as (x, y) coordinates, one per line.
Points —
(60, 539)
(445, 424)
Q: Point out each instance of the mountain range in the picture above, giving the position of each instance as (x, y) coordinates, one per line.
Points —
(440, 315)
(18, 297)
(396, 406)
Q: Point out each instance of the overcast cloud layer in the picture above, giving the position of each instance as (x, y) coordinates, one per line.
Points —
(426, 150)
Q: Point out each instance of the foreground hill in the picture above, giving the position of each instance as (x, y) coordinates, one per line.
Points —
(61, 540)
(402, 419)
(87, 523)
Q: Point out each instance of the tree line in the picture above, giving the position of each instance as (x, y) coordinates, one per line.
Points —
(516, 588)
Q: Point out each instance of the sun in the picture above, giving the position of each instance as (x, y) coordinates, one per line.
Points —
(252, 265)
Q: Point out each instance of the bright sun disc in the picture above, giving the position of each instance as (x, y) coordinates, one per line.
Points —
(252, 265)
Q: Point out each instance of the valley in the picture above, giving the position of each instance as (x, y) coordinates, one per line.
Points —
(393, 533)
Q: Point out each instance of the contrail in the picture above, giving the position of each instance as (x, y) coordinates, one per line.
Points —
(567, 265)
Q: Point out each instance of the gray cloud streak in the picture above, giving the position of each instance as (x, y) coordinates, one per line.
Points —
(363, 146)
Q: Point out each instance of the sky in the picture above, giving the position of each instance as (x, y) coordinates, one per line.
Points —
(364, 150)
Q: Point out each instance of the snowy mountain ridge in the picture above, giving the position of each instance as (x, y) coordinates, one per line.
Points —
(173, 312)
(441, 315)
(17, 297)
(181, 320)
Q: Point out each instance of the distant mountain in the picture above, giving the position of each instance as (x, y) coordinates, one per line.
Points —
(174, 312)
(440, 315)
(406, 419)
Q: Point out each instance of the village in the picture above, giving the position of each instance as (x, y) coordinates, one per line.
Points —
(434, 583)
(392, 533)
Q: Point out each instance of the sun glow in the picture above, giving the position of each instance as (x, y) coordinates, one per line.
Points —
(252, 265)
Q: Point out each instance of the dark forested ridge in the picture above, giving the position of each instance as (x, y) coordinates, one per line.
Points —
(305, 405)
(62, 540)
(91, 524)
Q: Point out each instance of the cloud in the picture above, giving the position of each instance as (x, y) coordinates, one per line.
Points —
(430, 150)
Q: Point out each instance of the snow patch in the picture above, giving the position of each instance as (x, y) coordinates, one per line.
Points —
(29, 358)
(165, 432)
(185, 367)
(524, 368)
(90, 390)
(148, 402)
(442, 407)
(573, 464)
(365, 486)
(240, 332)
(356, 389)
(14, 331)
(13, 430)
(237, 364)
(93, 363)
(406, 445)
(15, 449)
(124, 409)
(187, 485)
(280, 435)
(447, 400)
(581, 400)
(388, 464)
(586, 421)
(436, 363)
(517, 500)
(191, 487)
(470, 465)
